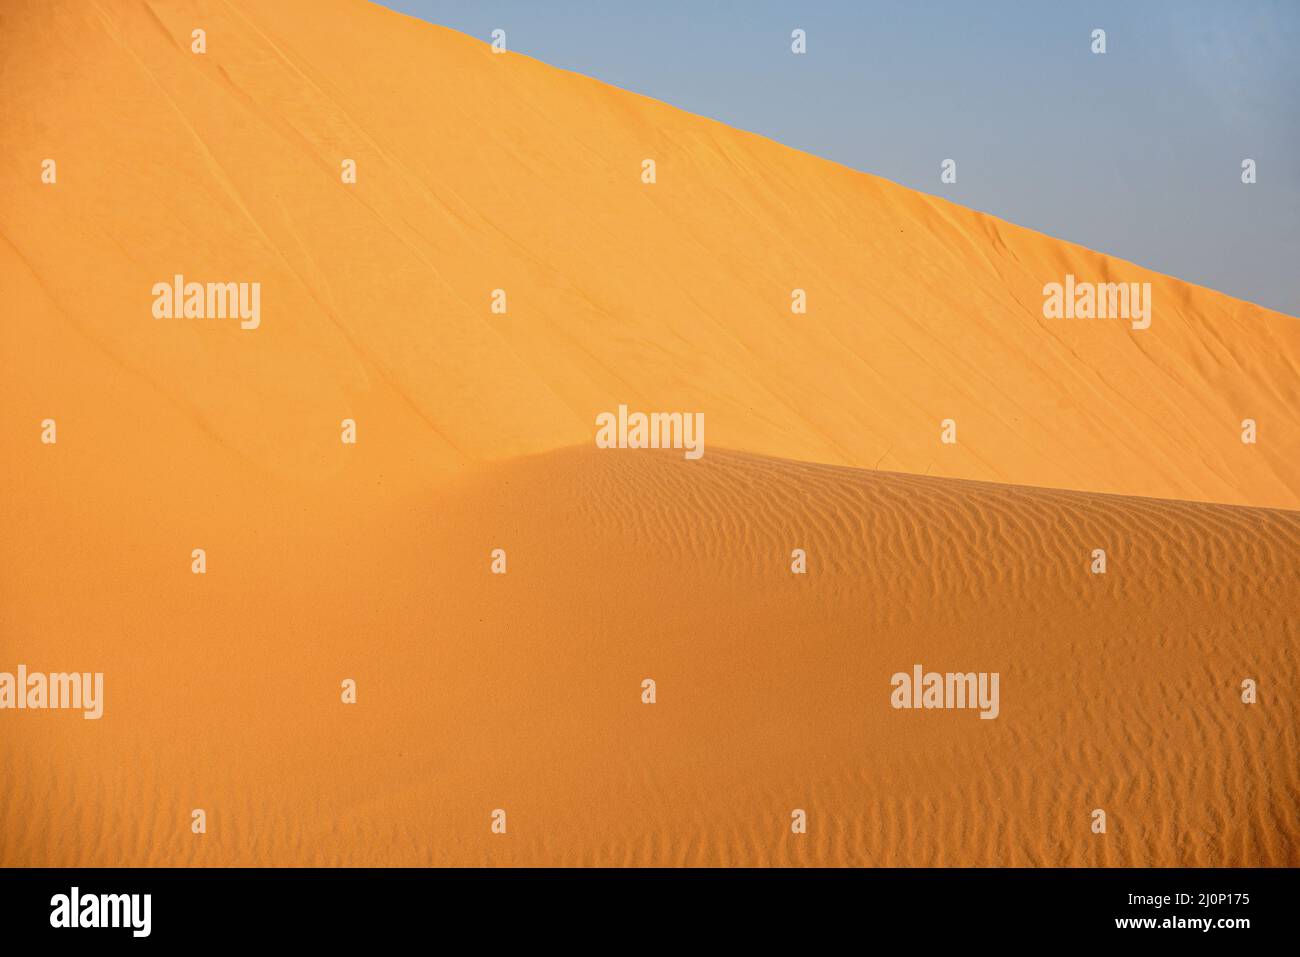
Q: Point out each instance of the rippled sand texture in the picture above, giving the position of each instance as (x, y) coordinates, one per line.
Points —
(523, 692)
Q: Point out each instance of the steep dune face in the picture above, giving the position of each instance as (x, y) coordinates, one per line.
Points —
(477, 172)
(1119, 692)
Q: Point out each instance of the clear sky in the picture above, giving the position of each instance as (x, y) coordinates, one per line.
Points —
(1136, 152)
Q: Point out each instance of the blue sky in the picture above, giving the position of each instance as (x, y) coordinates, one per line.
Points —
(1136, 152)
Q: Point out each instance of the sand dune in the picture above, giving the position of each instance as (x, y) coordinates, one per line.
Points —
(522, 691)
(478, 172)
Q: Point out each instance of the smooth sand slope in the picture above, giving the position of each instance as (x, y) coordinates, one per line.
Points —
(478, 172)
(477, 691)
(523, 691)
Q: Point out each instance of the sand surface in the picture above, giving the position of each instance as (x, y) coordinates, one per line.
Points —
(522, 691)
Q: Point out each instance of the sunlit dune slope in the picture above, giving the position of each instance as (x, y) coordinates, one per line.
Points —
(522, 691)
(478, 172)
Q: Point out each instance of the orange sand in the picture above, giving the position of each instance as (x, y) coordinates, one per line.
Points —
(522, 691)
